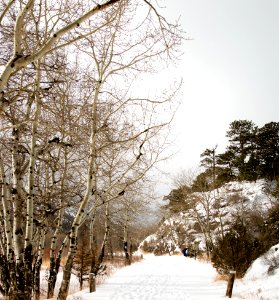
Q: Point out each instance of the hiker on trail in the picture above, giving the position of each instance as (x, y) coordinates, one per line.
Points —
(185, 251)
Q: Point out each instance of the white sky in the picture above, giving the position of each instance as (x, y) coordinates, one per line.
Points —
(230, 71)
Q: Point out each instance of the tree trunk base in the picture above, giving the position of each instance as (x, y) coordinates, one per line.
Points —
(230, 284)
(92, 283)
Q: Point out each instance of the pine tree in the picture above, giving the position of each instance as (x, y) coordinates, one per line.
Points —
(236, 250)
(268, 150)
(209, 161)
(82, 260)
(242, 148)
(178, 199)
(224, 162)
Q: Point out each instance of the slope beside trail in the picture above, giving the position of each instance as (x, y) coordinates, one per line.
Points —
(160, 278)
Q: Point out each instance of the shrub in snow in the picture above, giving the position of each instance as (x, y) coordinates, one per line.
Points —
(236, 250)
(147, 246)
(272, 224)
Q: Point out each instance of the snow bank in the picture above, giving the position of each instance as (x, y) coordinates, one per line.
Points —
(261, 279)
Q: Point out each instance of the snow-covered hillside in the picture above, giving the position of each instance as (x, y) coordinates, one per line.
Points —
(220, 207)
(215, 209)
(176, 277)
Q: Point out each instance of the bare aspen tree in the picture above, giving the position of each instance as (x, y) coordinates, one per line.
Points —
(199, 206)
(28, 247)
(7, 235)
(21, 56)
(28, 187)
(38, 264)
(63, 128)
(106, 59)
(82, 208)
(131, 210)
(98, 253)
(202, 211)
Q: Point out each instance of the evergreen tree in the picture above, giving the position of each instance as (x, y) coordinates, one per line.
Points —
(82, 260)
(242, 148)
(209, 161)
(203, 182)
(178, 199)
(236, 250)
(252, 153)
(218, 170)
(224, 161)
(268, 150)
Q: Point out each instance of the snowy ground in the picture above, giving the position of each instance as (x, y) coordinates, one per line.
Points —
(181, 278)
(177, 277)
(160, 278)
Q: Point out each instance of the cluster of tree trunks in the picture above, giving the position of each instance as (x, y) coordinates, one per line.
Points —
(77, 139)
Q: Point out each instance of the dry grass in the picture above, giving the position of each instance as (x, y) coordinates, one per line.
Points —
(112, 265)
(220, 277)
(45, 262)
(203, 257)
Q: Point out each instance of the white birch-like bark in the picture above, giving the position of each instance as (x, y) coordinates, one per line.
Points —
(56, 258)
(28, 246)
(83, 206)
(125, 237)
(17, 202)
(38, 264)
(5, 10)
(6, 214)
(19, 28)
(18, 61)
(105, 238)
(30, 198)
(17, 274)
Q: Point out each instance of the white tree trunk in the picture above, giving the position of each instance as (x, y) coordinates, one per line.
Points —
(83, 206)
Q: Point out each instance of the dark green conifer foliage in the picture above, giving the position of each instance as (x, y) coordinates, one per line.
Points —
(252, 153)
(178, 199)
(236, 250)
(268, 150)
(242, 146)
(272, 227)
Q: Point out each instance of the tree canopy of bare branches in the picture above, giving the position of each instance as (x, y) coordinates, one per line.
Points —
(75, 133)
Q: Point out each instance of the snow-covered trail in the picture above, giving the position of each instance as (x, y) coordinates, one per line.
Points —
(161, 278)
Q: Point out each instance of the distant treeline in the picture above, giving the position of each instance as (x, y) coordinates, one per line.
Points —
(252, 153)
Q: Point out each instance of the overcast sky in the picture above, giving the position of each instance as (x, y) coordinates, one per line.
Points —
(230, 70)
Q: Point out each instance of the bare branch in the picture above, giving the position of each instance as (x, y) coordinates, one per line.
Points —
(18, 61)
(8, 6)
